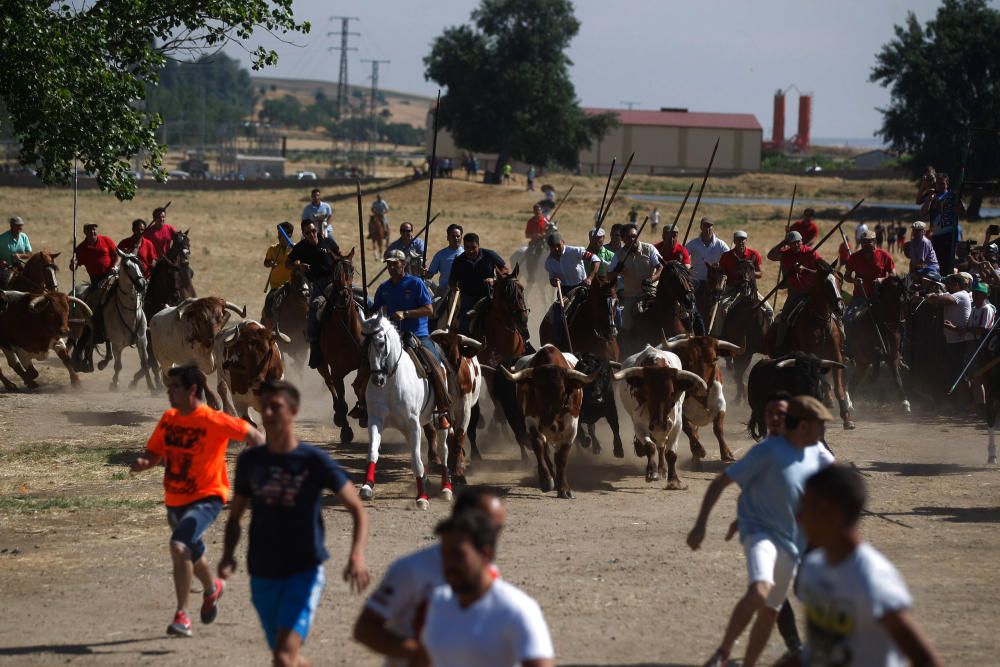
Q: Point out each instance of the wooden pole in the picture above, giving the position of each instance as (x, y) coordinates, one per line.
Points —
(562, 310)
(697, 201)
(788, 226)
(683, 204)
(453, 307)
(614, 194)
(420, 231)
(430, 185)
(604, 198)
(361, 238)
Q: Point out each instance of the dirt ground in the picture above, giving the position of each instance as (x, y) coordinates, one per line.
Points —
(84, 567)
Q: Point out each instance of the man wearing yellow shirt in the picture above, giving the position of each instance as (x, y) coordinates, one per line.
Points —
(280, 274)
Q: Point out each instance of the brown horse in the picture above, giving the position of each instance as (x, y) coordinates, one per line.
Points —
(378, 232)
(708, 292)
(38, 274)
(592, 327)
(876, 335)
(746, 324)
(815, 331)
(291, 317)
(340, 341)
(670, 312)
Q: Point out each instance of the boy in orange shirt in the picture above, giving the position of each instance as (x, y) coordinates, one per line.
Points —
(191, 440)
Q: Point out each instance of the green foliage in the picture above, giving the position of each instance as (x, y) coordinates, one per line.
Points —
(74, 75)
(508, 85)
(942, 78)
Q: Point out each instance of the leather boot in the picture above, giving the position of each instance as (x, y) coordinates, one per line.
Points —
(442, 401)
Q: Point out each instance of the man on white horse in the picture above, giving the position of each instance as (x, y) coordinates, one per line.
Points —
(408, 303)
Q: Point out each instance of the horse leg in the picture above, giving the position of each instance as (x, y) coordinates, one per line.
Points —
(471, 433)
(740, 365)
(336, 386)
(538, 444)
(374, 441)
(441, 438)
(154, 365)
(412, 432)
(116, 351)
(840, 389)
(725, 454)
(562, 459)
(143, 365)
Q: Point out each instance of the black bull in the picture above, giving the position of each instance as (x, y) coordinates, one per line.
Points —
(798, 374)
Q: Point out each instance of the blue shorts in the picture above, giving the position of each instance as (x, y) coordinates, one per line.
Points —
(191, 521)
(288, 603)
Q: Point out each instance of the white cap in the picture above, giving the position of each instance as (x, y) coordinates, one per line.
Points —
(594, 233)
(792, 237)
(740, 234)
(919, 224)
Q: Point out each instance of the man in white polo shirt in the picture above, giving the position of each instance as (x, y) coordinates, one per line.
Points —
(705, 249)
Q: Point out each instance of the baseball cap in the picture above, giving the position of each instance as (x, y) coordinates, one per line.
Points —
(90, 225)
(868, 236)
(919, 224)
(740, 234)
(807, 407)
(792, 237)
(17, 220)
(707, 221)
(982, 288)
(394, 256)
(594, 233)
(966, 277)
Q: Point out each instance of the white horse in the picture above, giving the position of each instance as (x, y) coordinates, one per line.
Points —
(399, 398)
(125, 321)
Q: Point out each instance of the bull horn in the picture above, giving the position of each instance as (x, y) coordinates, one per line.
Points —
(581, 377)
(626, 373)
(438, 332)
(470, 342)
(726, 345)
(283, 337)
(787, 363)
(35, 304)
(694, 377)
(231, 336)
(487, 370)
(518, 376)
(615, 365)
(677, 343)
(826, 363)
(83, 306)
(236, 309)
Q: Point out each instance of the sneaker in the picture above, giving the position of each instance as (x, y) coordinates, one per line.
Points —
(181, 625)
(210, 602)
(718, 659)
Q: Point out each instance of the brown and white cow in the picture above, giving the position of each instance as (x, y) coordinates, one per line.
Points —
(33, 324)
(652, 390)
(247, 355)
(465, 383)
(700, 355)
(550, 392)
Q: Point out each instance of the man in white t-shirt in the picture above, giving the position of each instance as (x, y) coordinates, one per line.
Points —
(857, 604)
(705, 249)
(771, 477)
(393, 615)
(477, 620)
(956, 309)
(319, 212)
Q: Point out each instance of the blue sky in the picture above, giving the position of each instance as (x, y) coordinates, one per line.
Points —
(705, 55)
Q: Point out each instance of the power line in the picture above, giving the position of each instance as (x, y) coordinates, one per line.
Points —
(628, 103)
(343, 48)
(371, 110)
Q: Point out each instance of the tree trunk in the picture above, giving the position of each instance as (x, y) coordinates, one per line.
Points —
(975, 203)
(497, 174)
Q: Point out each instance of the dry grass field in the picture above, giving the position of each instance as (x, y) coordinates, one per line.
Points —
(84, 568)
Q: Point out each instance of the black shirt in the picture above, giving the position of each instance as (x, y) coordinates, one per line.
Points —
(286, 527)
(470, 274)
(316, 256)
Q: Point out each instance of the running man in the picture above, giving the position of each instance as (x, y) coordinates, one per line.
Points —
(191, 440)
(771, 477)
(282, 484)
(857, 604)
(392, 617)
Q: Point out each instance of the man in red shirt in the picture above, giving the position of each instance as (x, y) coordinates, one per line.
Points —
(794, 257)
(140, 246)
(865, 269)
(670, 250)
(160, 234)
(99, 255)
(739, 264)
(806, 227)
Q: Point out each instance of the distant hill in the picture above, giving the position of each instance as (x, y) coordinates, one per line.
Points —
(404, 107)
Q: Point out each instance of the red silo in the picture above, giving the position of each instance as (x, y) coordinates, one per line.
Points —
(778, 131)
(805, 120)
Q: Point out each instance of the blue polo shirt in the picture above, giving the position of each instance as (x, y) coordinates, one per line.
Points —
(410, 293)
(443, 259)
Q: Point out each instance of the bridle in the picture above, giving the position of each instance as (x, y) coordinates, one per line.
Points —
(377, 343)
(513, 299)
(131, 268)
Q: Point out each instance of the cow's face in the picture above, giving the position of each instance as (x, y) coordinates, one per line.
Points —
(657, 388)
(252, 358)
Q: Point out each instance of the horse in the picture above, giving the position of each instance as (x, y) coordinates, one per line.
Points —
(815, 331)
(592, 327)
(876, 335)
(745, 323)
(38, 274)
(378, 232)
(169, 284)
(398, 397)
(707, 294)
(340, 340)
(293, 315)
(669, 313)
(125, 321)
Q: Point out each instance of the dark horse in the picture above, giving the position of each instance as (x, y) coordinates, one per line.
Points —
(876, 335)
(708, 292)
(38, 274)
(592, 327)
(340, 340)
(670, 312)
(745, 323)
(169, 284)
(291, 317)
(815, 331)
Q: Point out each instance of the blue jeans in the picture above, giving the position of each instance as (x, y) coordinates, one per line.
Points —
(191, 521)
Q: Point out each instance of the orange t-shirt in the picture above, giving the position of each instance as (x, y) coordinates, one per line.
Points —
(193, 449)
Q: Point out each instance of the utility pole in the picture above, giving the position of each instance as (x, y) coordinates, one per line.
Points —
(628, 103)
(343, 48)
(372, 118)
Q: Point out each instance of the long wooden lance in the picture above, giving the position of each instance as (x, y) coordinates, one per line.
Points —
(788, 225)
(361, 240)
(430, 184)
(615, 192)
(821, 242)
(697, 201)
(628, 253)
(562, 309)
(683, 204)
(604, 199)
(419, 232)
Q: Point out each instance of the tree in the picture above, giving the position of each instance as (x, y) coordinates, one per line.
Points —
(508, 85)
(942, 78)
(74, 75)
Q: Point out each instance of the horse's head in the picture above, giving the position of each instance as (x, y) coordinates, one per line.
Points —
(180, 246)
(892, 296)
(343, 270)
(300, 282)
(675, 284)
(602, 307)
(384, 348)
(826, 287)
(510, 292)
(131, 269)
(41, 269)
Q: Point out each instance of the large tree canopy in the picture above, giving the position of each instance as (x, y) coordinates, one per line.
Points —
(508, 85)
(73, 76)
(943, 78)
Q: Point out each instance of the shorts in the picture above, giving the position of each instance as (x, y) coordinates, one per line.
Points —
(768, 562)
(191, 521)
(289, 603)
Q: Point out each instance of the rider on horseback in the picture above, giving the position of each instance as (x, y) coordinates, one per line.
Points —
(315, 256)
(140, 246)
(867, 267)
(280, 274)
(565, 264)
(798, 265)
(380, 209)
(640, 265)
(672, 251)
(99, 255)
(741, 265)
(473, 273)
(535, 231)
(159, 233)
(411, 247)
(15, 248)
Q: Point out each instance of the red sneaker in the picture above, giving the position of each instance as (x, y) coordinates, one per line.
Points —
(210, 602)
(181, 625)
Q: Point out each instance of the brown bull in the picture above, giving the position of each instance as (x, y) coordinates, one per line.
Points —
(33, 324)
(248, 356)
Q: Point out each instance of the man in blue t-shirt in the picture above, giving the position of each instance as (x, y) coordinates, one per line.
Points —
(282, 482)
(445, 257)
(771, 477)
